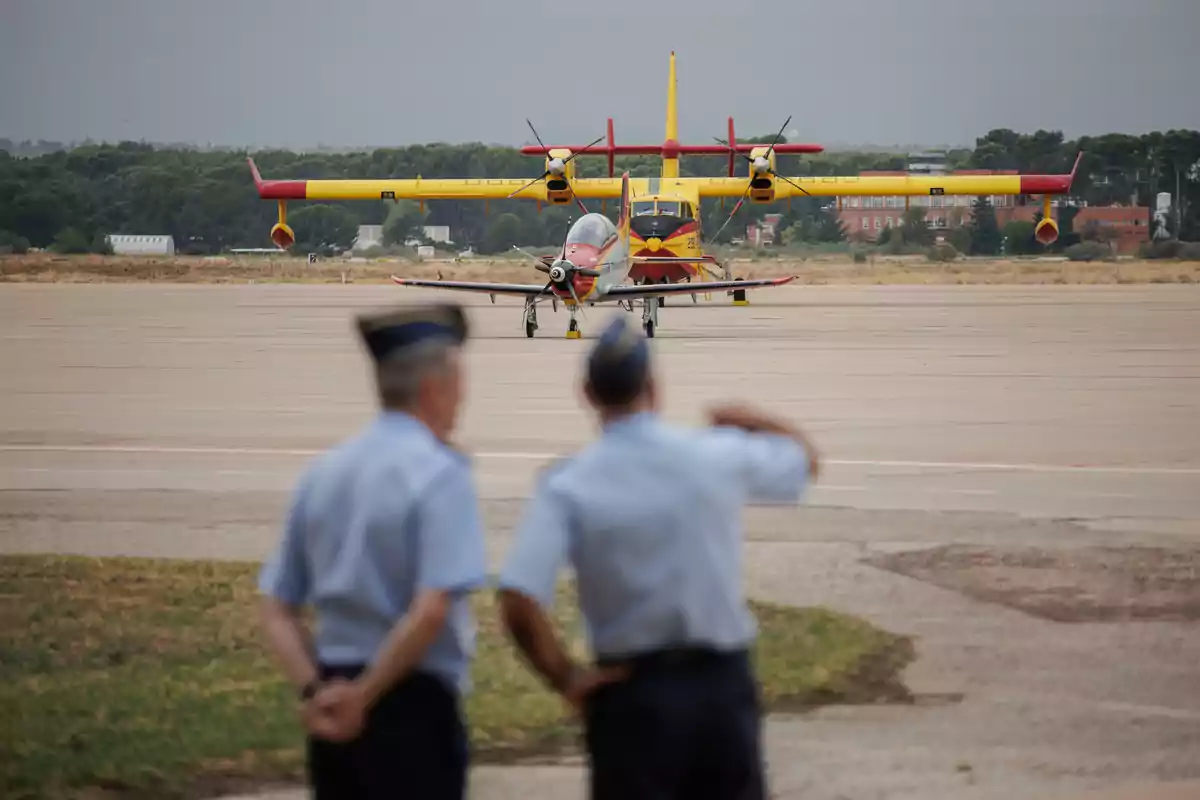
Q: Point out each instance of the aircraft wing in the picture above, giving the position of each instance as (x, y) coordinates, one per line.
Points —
(660, 289)
(520, 289)
(610, 188)
(397, 188)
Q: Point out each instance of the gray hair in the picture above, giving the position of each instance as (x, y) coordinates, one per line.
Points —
(399, 375)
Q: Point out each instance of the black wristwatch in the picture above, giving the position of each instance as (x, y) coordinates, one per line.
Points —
(309, 690)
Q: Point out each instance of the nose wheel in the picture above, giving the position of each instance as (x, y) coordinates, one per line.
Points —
(650, 316)
(530, 317)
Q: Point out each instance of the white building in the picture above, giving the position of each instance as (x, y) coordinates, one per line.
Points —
(437, 233)
(368, 236)
(136, 245)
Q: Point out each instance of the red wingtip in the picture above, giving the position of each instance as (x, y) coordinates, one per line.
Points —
(399, 281)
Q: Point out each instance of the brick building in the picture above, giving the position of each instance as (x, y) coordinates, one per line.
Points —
(1126, 227)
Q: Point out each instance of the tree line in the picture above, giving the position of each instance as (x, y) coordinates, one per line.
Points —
(68, 199)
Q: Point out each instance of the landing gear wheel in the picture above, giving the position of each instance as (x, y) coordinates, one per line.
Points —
(530, 327)
(573, 326)
(650, 329)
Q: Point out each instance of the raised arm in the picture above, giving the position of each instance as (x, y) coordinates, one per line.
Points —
(774, 457)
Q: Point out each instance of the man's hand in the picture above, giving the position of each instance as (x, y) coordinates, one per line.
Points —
(337, 712)
(739, 416)
(754, 421)
(583, 682)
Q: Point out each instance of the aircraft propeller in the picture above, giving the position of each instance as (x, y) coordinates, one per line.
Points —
(561, 273)
(557, 166)
(759, 165)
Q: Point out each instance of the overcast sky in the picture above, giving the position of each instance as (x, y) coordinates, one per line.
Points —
(375, 72)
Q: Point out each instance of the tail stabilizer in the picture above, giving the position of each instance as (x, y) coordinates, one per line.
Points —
(624, 217)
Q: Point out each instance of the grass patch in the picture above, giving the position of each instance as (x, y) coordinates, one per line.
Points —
(145, 677)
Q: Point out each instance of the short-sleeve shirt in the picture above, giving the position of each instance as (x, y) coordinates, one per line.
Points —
(379, 518)
(649, 517)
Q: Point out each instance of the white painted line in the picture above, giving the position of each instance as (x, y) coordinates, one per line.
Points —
(967, 465)
(530, 456)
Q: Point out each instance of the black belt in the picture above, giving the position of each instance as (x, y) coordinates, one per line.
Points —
(673, 657)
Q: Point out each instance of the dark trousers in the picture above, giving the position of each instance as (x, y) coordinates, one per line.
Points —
(686, 725)
(414, 745)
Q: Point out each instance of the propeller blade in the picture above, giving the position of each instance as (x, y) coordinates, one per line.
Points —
(726, 145)
(778, 136)
(772, 172)
(575, 297)
(530, 256)
(541, 177)
(732, 213)
(589, 273)
(585, 148)
(535, 135)
(789, 181)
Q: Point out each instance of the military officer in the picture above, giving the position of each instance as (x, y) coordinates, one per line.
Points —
(649, 518)
(384, 541)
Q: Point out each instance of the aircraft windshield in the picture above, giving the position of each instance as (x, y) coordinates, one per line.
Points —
(668, 208)
(643, 208)
(592, 229)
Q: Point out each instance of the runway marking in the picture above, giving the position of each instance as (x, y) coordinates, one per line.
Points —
(1019, 467)
(530, 456)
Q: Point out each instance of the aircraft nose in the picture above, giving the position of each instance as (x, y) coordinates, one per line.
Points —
(559, 270)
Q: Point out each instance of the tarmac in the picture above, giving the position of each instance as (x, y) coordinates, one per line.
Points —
(172, 421)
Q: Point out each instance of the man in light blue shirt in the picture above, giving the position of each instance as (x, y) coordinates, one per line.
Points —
(384, 541)
(649, 517)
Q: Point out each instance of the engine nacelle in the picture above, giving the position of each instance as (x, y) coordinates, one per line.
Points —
(1046, 231)
(562, 172)
(762, 178)
(282, 235)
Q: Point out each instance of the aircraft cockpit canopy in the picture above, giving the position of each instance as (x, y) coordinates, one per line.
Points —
(593, 230)
(663, 208)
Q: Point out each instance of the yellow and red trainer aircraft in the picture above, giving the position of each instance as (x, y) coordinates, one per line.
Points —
(665, 230)
(591, 268)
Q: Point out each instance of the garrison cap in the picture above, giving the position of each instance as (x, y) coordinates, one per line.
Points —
(388, 332)
(619, 362)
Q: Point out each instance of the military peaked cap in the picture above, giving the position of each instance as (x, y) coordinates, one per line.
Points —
(388, 332)
(619, 362)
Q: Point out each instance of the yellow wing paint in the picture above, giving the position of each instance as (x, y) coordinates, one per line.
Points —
(869, 186)
(421, 189)
(610, 188)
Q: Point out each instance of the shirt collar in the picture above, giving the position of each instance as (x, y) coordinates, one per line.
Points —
(638, 419)
(400, 421)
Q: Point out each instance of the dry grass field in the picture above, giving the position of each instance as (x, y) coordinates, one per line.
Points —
(820, 270)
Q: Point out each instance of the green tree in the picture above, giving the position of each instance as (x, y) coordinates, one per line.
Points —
(1018, 238)
(13, 243)
(984, 230)
(404, 221)
(914, 228)
(960, 239)
(71, 240)
(502, 234)
(324, 229)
